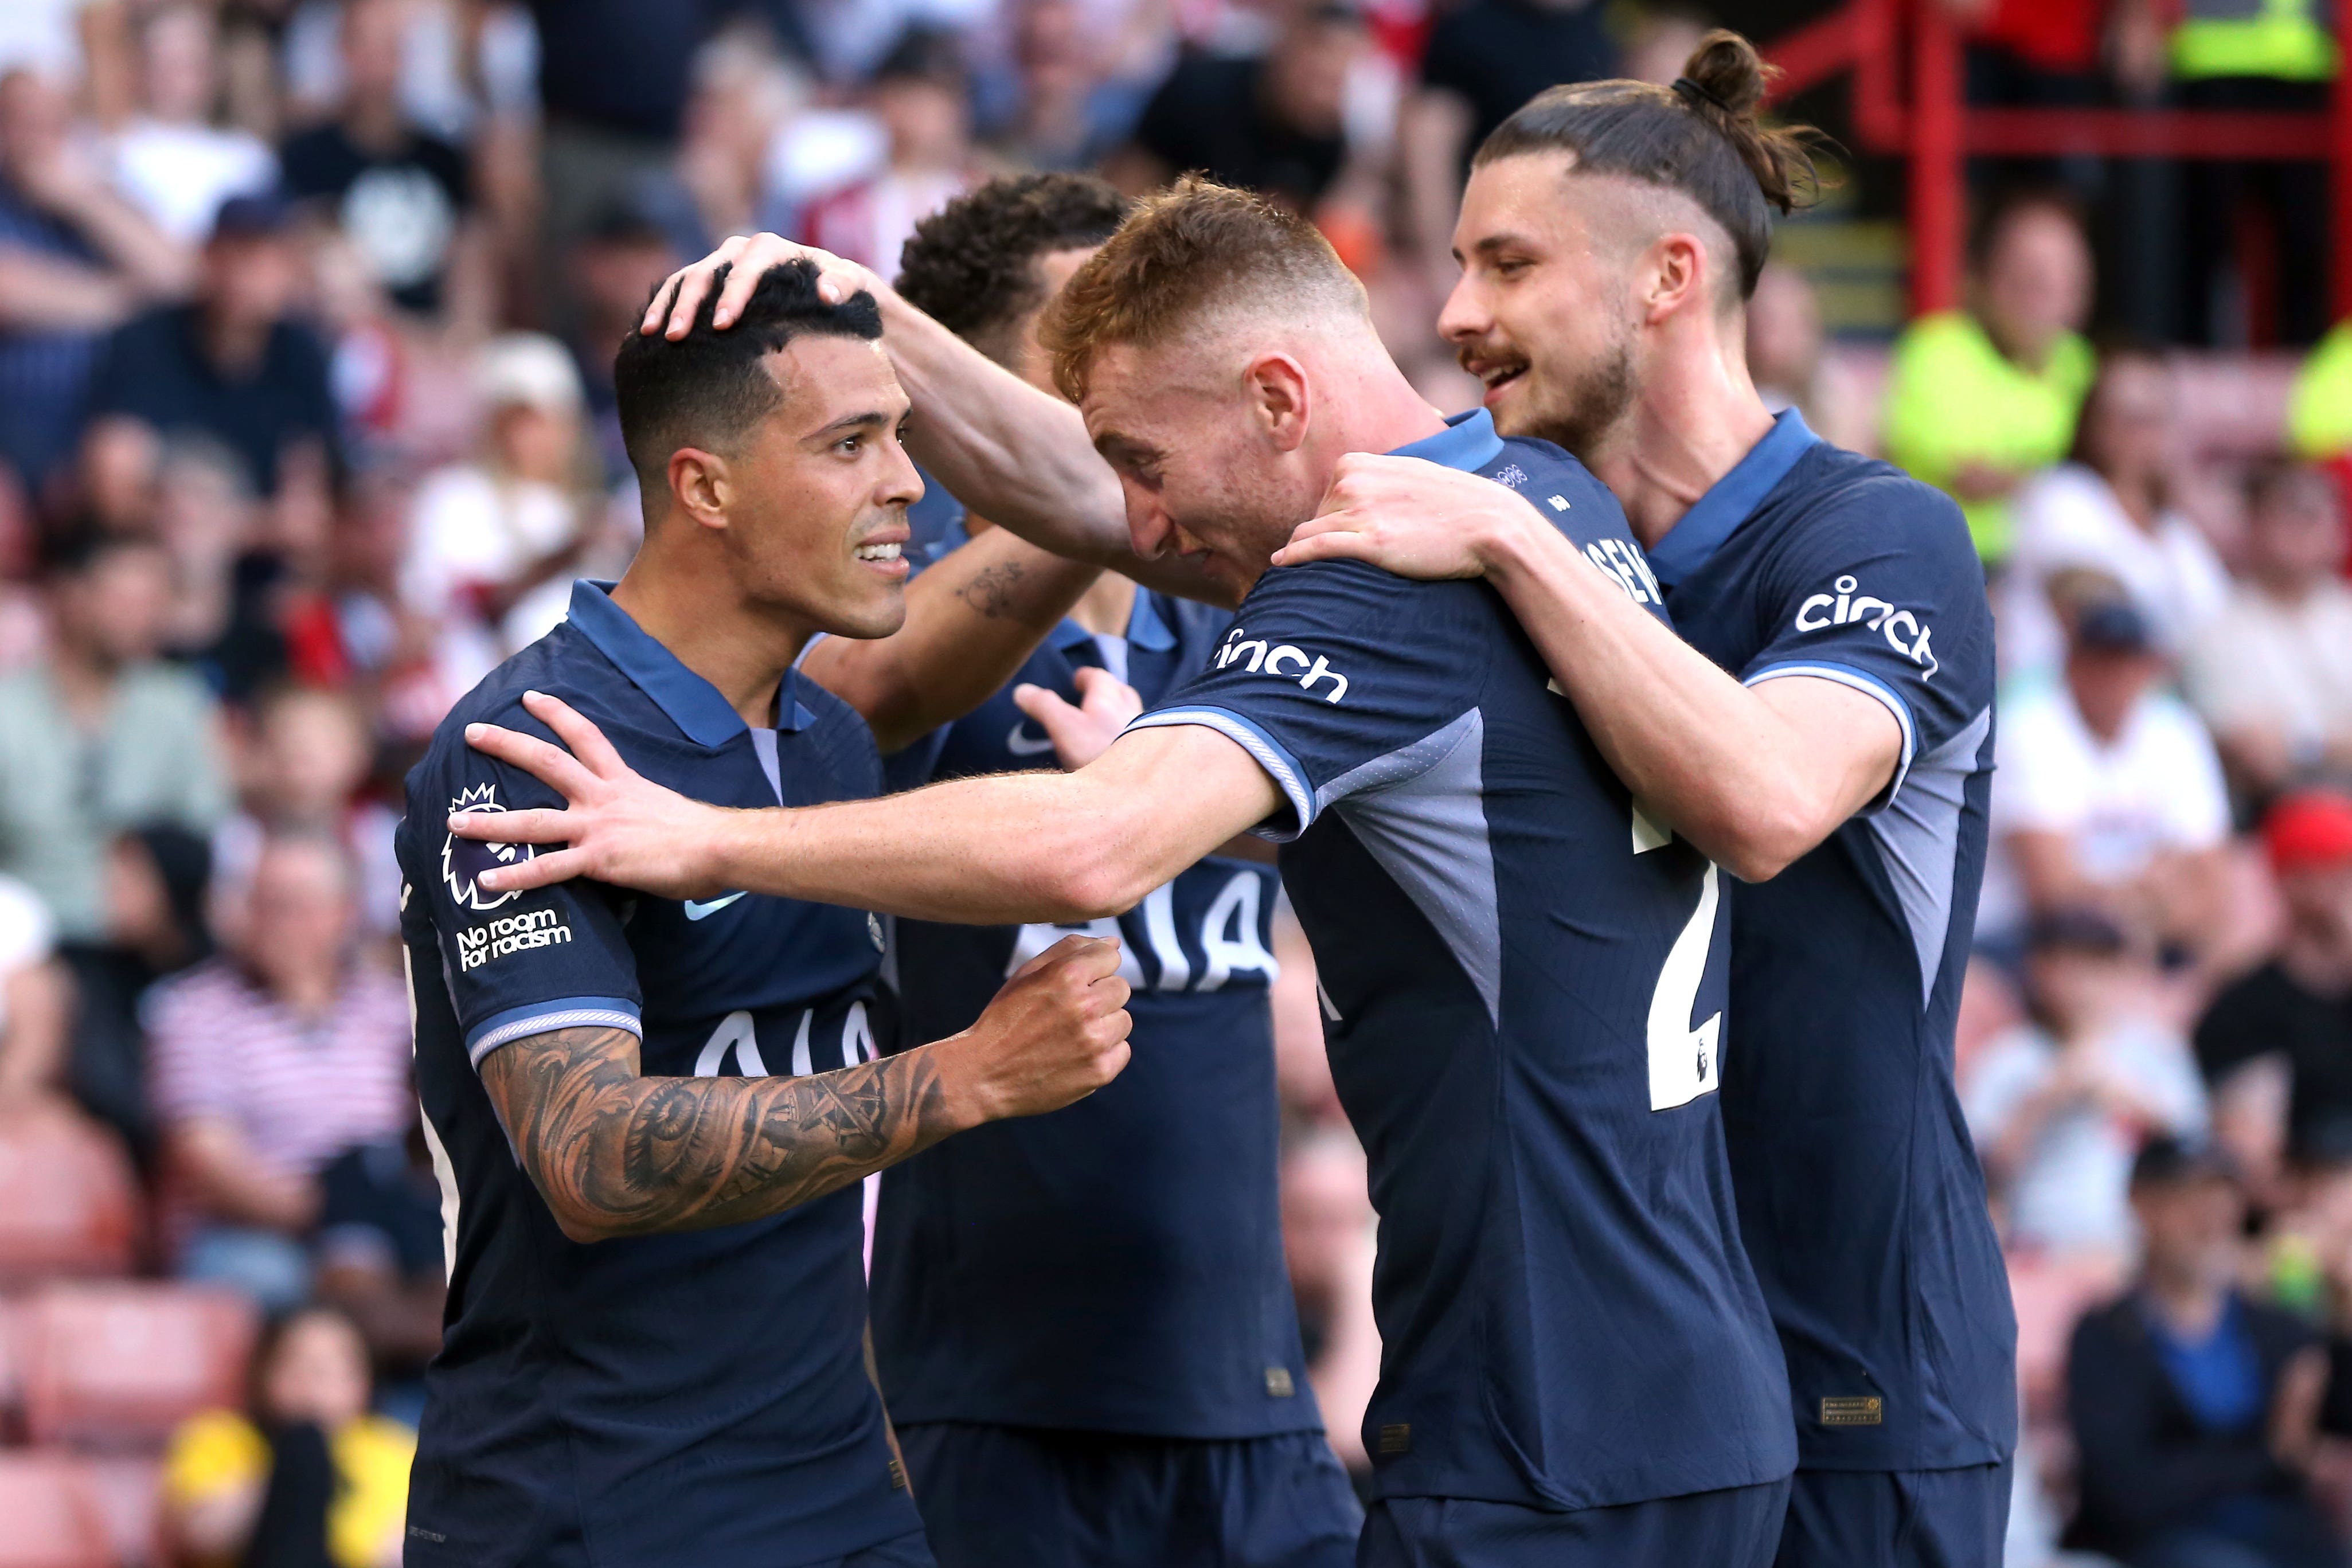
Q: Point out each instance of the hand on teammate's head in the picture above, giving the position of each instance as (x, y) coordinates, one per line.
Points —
(675, 303)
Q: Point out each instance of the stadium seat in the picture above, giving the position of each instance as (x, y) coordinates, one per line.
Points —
(127, 1494)
(68, 1202)
(47, 1516)
(116, 1366)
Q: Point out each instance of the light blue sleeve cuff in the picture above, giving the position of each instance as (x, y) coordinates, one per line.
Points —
(1269, 753)
(543, 1017)
(1869, 685)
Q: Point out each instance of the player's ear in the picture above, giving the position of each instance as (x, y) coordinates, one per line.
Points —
(1677, 272)
(701, 485)
(1275, 385)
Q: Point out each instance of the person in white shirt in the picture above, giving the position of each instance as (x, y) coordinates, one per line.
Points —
(482, 534)
(33, 1001)
(2108, 509)
(2107, 795)
(2272, 671)
(172, 161)
(2059, 1104)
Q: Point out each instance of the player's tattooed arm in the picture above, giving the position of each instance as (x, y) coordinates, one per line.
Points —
(615, 1153)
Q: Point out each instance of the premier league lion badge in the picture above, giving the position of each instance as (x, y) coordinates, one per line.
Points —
(462, 861)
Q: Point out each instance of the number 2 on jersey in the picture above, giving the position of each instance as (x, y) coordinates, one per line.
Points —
(1684, 1063)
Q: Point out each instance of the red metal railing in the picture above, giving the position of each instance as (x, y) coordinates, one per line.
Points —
(1889, 46)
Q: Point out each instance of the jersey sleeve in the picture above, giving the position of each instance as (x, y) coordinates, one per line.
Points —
(515, 963)
(1882, 592)
(1340, 680)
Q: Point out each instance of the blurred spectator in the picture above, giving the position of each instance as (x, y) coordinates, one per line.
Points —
(2109, 509)
(484, 533)
(2319, 404)
(173, 161)
(102, 737)
(1275, 123)
(383, 1256)
(307, 1476)
(1787, 363)
(461, 63)
(2108, 794)
(233, 364)
(268, 1064)
(1327, 1244)
(1070, 109)
(613, 271)
(76, 260)
(400, 194)
(155, 879)
(2272, 671)
(2299, 1003)
(2278, 56)
(1979, 398)
(33, 997)
(2059, 1105)
(613, 77)
(1483, 61)
(921, 97)
(2194, 1409)
(306, 751)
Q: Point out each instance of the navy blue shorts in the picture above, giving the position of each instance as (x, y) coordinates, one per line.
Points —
(1020, 1496)
(1735, 1528)
(907, 1550)
(1897, 1518)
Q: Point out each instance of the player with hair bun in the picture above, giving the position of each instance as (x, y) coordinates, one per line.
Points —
(1823, 727)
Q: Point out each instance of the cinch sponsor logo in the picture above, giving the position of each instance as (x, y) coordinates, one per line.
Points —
(477, 945)
(1282, 659)
(1846, 605)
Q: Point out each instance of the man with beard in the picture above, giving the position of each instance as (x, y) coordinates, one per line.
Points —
(1519, 976)
(1826, 734)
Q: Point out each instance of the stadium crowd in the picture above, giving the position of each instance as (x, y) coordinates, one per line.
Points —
(307, 316)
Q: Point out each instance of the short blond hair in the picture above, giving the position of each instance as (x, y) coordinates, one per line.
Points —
(1196, 247)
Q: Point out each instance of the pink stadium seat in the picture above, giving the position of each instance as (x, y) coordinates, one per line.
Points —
(117, 1364)
(127, 1494)
(68, 1202)
(47, 1519)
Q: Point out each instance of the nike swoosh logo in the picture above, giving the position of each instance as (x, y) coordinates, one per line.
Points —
(705, 911)
(1019, 743)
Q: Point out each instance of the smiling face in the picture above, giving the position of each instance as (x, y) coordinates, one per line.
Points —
(811, 506)
(1203, 475)
(1544, 315)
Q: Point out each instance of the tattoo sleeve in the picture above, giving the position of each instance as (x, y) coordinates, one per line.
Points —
(618, 1153)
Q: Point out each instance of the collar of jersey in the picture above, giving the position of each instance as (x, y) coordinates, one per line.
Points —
(1717, 515)
(692, 703)
(1468, 443)
(1146, 631)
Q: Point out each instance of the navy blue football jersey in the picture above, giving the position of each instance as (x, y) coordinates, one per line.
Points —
(1860, 1195)
(688, 1398)
(1115, 1266)
(1523, 980)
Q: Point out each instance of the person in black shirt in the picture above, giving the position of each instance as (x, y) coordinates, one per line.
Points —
(231, 364)
(2195, 1409)
(401, 198)
(1273, 124)
(2300, 1003)
(1484, 60)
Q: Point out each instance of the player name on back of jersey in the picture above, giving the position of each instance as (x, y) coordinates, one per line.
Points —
(478, 944)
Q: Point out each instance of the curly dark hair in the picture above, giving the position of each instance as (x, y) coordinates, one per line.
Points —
(972, 265)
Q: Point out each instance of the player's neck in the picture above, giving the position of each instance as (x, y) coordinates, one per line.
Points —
(1379, 411)
(740, 649)
(1695, 415)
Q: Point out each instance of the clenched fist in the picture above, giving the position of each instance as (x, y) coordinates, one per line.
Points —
(1055, 1033)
